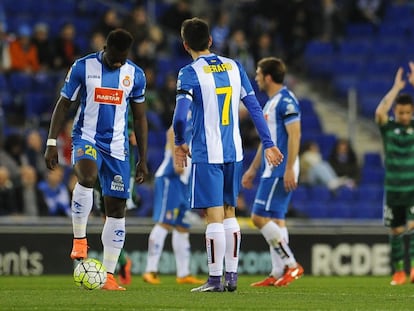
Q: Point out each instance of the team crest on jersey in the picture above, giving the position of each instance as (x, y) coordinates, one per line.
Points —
(127, 81)
(108, 96)
(80, 152)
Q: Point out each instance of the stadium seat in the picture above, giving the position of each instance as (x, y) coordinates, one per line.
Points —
(319, 194)
(20, 82)
(368, 210)
(344, 194)
(146, 197)
(373, 160)
(369, 193)
(317, 210)
(339, 210)
(372, 176)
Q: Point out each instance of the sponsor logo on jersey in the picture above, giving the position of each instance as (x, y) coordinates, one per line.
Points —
(217, 68)
(117, 183)
(108, 96)
(93, 77)
(126, 81)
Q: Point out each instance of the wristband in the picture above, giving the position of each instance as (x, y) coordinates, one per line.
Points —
(51, 142)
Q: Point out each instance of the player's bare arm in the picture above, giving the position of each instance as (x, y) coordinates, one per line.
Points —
(294, 132)
(250, 174)
(141, 134)
(56, 124)
(381, 113)
(181, 152)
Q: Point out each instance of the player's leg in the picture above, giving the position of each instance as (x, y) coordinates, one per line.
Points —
(202, 194)
(114, 179)
(394, 219)
(163, 212)
(268, 216)
(233, 173)
(86, 171)
(410, 233)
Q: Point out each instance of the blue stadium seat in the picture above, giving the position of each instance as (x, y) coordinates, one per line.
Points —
(146, 195)
(344, 194)
(372, 160)
(317, 210)
(20, 82)
(340, 210)
(38, 105)
(319, 194)
(368, 210)
(372, 176)
(369, 193)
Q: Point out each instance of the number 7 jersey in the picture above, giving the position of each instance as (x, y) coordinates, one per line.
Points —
(215, 85)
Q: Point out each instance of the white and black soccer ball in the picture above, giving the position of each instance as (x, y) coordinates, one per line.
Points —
(90, 274)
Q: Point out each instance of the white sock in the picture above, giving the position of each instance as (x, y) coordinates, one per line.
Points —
(181, 248)
(278, 266)
(82, 201)
(272, 233)
(216, 247)
(233, 239)
(113, 239)
(155, 246)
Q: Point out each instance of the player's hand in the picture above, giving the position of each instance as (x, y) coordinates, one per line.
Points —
(273, 156)
(141, 172)
(181, 152)
(290, 180)
(411, 73)
(399, 82)
(248, 177)
(51, 157)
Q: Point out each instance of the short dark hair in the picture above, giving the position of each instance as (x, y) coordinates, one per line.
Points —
(196, 33)
(404, 99)
(274, 67)
(119, 39)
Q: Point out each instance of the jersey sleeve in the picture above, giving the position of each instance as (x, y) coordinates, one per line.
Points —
(138, 91)
(73, 81)
(289, 110)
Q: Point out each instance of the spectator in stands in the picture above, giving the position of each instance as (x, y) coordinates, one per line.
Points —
(369, 11)
(14, 156)
(96, 42)
(263, 47)
(31, 198)
(66, 50)
(344, 161)
(174, 16)
(167, 95)
(238, 49)
(8, 197)
(314, 170)
(23, 53)
(108, 21)
(56, 193)
(220, 31)
(34, 151)
(330, 27)
(5, 40)
(137, 23)
(44, 45)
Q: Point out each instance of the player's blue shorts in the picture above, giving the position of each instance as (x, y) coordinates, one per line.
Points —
(215, 184)
(272, 200)
(113, 174)
(170, 201)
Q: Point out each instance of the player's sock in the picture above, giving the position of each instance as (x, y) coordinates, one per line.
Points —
(216, 247)
(155, 246)
(278, 265)
(113, 238)
(82, 201)
(181, 248)
(410, 234)
(233, 239)
(273, 236)
(397, 251)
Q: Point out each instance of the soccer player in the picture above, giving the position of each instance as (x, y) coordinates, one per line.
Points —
(398, 139)
(170, 207)
(106, 83)
(282, 114)
(213, 86)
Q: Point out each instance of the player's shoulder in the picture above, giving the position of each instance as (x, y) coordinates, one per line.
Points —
(137, 68)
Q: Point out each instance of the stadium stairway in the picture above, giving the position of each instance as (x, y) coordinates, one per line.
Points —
(334, 118)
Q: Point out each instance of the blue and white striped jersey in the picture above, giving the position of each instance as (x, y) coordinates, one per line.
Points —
(215, 85)
(280, 110)
(102, 116)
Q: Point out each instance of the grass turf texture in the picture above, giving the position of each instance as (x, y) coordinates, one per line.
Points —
(308, 293)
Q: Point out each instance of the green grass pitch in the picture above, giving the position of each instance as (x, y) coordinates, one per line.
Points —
(308, 293)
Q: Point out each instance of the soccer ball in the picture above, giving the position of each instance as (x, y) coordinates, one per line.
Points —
(90, 274)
